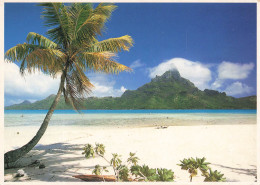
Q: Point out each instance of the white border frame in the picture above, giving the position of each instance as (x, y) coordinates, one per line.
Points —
(119, 1)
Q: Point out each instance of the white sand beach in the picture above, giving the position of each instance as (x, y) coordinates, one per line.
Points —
(230, 149)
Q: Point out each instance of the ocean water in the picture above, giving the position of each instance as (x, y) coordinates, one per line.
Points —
(128, 118)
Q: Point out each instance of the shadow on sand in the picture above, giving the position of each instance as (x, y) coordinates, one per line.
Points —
(240, 171)
(59, 160)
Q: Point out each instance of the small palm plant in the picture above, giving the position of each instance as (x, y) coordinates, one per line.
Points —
(202, 165)
(99, 170)
(214, 176)
(100, 149)
(116, 162)
(133, 159)
(88, 151)
(192, 165)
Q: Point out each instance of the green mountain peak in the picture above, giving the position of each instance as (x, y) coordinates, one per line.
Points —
(168, 91)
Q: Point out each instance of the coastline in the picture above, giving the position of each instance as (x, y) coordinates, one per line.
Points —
(230, 148)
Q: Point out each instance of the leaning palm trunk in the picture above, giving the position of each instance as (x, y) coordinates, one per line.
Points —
(72, 48)
(14, 155)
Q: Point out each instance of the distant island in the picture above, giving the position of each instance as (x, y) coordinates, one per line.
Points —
(168, 91)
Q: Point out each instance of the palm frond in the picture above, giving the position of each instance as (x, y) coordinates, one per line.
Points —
(47, 60)
(114, 45)
(35, 57)
(40, 40)
(56, 16)
(79, 13)
(105, 9)
(100, 62)
(94, 24)
(20, 51)
(78, 86)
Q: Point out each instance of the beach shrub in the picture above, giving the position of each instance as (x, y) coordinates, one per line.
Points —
(88, 151)
(99, 170)
(165, 175)
(192, 166)
(144, 173)
(214, 176)
(123, 173)
(126, 172)
(133, 159)
(116, 160)
(100, 149)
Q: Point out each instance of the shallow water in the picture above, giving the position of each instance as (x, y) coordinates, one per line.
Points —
(131, 119)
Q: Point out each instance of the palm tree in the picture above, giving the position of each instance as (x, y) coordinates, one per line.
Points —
(70, 50)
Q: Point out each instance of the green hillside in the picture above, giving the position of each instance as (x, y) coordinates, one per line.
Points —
(169, 91)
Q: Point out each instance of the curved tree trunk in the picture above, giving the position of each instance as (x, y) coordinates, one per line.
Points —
(16, 154)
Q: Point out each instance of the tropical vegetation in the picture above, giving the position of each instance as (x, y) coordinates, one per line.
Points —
(128, 171)
(193, 165)
(69, 49)
(132, 171)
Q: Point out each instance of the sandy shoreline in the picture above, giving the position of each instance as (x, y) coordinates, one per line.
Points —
(230, 148)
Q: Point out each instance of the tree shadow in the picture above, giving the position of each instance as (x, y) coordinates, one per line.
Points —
(59, 159)
(240, 171)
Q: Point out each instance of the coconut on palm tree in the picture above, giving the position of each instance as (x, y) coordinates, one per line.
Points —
(70, 49)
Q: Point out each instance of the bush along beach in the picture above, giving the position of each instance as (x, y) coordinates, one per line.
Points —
(128, 170)
(132, 171)
(193, 165)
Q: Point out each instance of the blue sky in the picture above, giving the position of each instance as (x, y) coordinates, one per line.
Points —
(211, 44)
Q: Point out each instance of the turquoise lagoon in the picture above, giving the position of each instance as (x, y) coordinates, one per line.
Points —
(129, 118)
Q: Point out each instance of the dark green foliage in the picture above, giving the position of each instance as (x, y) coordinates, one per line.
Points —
(144, 173)
(123, 173)
(214, 177)
(169, 91)
(202, 165)
(165, 175)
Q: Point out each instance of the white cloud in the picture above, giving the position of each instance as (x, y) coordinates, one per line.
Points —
(235, 71)
(104, 85)
(231, 71)
(238, 88)
(37, 85)
(136, 64)
(123, 89)
(217, 84)
(196, 72)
